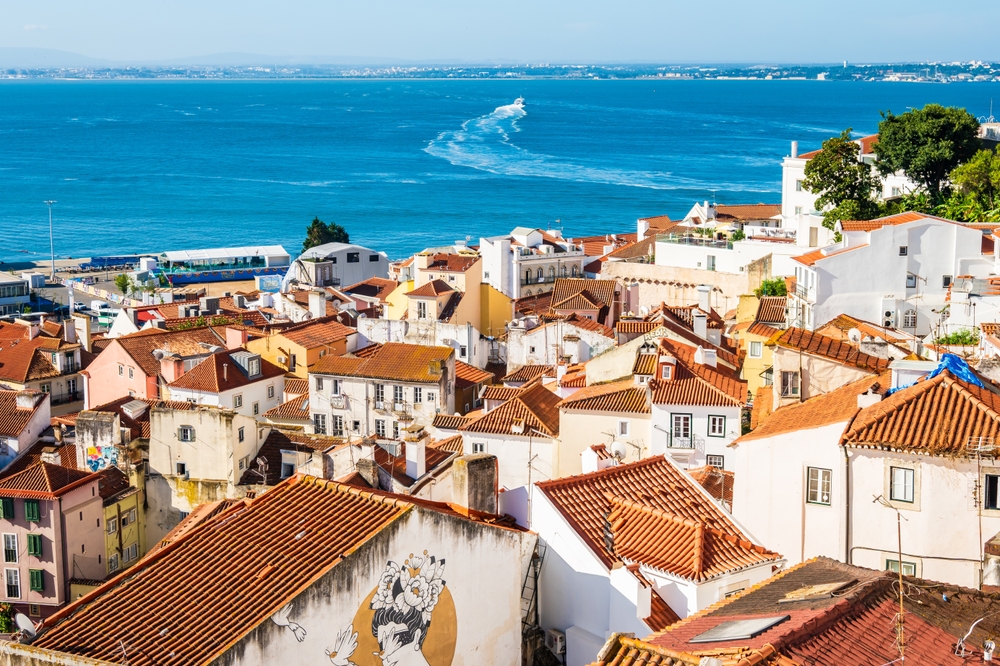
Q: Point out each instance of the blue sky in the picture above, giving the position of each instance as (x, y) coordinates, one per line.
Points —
(524, 31)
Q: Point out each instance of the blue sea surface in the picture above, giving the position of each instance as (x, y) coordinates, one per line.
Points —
(149, 166)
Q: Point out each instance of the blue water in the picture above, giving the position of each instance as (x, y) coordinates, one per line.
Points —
(163, 165)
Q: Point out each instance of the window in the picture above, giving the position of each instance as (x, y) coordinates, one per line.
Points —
(421, 310)
(128, 517)
(911, 281)
(818, 485)
(798, 211)
(909, 568)
(10, 548)
(623, 427)
(531, 350)
(319, 383)
(462, 351)
(945, 281)
(710, 262)
(380, 427)
(121, 370)
(335, 387)
(35, 545)
(430, 397)
(112, 525)
(798, 185)
(131, 553)
(319, 423)
(716, 461)
(338, 426)
(478, 447)
(895, 192)
(34, 610)
(716, 426)
(356, 426)
(32, 511)
(379, 395)
(900, 484)
(113, 563)
(397, 394)
(292, 363)
(756, 349)
(910, 319)
(256, 408)
(240, 434)
(13, 579)
(180, 468)
(681, 429)
(270, 391)
(353, 257)
(789, 383)
(287, 469)
(36, 580)
(185, 434)
(991, 490)
(902, 250)
(395, 429)
(237, 401)
(418, 394)
(131, 373)
(667, 371)
(7, 508)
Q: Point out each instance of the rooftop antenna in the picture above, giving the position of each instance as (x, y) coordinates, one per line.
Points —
(980, 447)
(52, 247)
(900, 636)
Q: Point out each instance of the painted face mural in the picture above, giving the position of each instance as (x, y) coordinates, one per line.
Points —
(408, 620)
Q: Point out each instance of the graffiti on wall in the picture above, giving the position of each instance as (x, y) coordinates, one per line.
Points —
(408, 620)
(101, 457)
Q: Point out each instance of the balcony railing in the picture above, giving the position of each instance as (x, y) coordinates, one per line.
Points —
(543, 280)
(65, 398)
(696, 241)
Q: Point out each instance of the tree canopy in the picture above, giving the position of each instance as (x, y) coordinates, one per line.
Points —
(320, 233)
(927, 145)
(845, 186)
(773, 287)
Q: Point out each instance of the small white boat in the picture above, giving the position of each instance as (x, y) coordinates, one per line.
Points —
(519, 101)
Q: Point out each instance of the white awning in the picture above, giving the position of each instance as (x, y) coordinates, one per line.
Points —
(226, 253)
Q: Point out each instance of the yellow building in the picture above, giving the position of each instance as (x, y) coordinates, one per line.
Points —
(297, 348)
(124, 519)
(497, 311)
(757, 356)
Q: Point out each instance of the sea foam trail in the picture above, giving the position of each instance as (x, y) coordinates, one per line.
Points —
(485, 144)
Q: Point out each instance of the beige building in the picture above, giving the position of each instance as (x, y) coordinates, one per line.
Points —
(617, 415)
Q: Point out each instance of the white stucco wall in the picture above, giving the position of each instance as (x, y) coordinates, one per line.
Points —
(513, 453)
(703, 444)
(255, 392)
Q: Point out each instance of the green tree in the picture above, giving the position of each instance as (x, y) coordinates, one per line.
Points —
(979, 179)
(774, 287)
(845, 186)
(927, 144)
(124, 283)
(320, 233)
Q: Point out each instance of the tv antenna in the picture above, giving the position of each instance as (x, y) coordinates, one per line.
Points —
(900, 636)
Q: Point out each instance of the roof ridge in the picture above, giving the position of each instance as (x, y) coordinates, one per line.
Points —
(607, 471)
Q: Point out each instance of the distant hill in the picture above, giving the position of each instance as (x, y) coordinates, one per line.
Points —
(29, 58)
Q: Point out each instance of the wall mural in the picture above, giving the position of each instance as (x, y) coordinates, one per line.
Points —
(408, 620)
(101, 457)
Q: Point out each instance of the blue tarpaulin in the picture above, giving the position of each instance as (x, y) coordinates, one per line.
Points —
(953, 364)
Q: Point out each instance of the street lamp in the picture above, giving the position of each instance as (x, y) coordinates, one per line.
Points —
(52, 247)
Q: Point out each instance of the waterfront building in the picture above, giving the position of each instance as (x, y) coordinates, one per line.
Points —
(335, 265)
(181, 267)
(15, 293)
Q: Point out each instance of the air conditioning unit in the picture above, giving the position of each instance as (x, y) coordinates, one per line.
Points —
(281, 360)
(889, 319)
(555, 641)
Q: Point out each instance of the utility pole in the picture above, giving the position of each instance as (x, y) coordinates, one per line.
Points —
(52, 247)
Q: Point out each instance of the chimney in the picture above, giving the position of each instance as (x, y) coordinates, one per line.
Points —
(171, 365)
(69, 331)
(235, 338)
(643, 227)
(82, 324)
(867, 399)
(795, 149)
(50, 455)
(240, 301)
(29, 398)
(133, 316)
(366, 468)
(225, 372)
(705, 297)
(474, 482)
(416, 458)
(317, 304)
(704, 356)
(422, 261)
(699, 322)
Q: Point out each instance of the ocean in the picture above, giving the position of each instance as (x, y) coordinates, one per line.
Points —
(149, 166)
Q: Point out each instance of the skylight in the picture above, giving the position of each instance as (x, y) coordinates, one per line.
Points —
(736, 630)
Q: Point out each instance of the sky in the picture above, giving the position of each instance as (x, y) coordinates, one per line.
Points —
(518, 31)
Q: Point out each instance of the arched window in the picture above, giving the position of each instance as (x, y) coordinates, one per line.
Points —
(910, 319)
(562, 271)
(552, 272)
(527, 292)
(527, 276)
(541, 275)
(576, 271)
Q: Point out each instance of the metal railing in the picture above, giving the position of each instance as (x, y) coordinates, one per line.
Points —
(697, 241)
(65, 398)
(544, 280)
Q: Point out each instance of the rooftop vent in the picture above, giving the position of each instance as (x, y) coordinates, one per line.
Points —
(134, 409)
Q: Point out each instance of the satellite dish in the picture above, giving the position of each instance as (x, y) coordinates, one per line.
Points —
(618, 450)
(854, 335)
(643, 310)
(25, 624)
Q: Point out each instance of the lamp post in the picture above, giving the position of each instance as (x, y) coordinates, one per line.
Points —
(52, 247)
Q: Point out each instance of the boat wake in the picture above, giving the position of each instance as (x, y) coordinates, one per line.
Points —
(485, 144)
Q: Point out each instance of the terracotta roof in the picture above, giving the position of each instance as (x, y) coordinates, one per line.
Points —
(113, 485)
(528, 372)
(844, 323)
(623, 396)
(838, 406)
(696, 383)
(396, 465)
(296, 385)
(13, 419)
(189, 342)
(938, 416)
(635, 326)
(645, 364)
(867, 144)
(830, 348)
(891, 220)
(502, 393)
(771, 310)
(317, 333)
(43, 481)
(601, 290)
(451, 263)
(684, 314)
(718, 482)
(451, 444)
(220, 372)
(450, 421)
(635, 250)
(747, 212)
(469, 375)
(23, 360)
(574, 378)
(373, 287)
(657, 512)
(296, 409)
(270, 451)
(391, 361)
(432, 288)
(679, 546)
(580, 322)
(810, 258)
(764, 330)
(581, 301)
(533, 305)
(535, 409)
(33, 455)
(659, 222)
(593, 246)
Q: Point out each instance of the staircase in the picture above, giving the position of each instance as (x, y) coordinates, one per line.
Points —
(529, 591)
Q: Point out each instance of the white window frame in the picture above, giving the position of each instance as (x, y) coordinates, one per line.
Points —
(715, 461)
(624, 427)
(111, 524)
(788, 391)
(756, 349)
(903, 480)
(819, 480)
(270, 391)
(713, 420)
(319, 383)
(667, 371)
(7, 576)
(238, 401)
(14, 548)
(909, 568)
(479, 447)
(319, 423)
(380, 427)
(418, 394)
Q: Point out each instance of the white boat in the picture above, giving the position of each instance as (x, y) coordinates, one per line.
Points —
(519, 101)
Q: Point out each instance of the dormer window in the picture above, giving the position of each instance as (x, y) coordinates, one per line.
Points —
(666, 371)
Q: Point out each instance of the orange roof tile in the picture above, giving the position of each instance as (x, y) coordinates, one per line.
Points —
(528, 372)
(450, 421)
(891, 220)
(296, 409)
(843, 323)
(282, 440)
(636, 249)
(296, 385)
(451, 444)
(771, 310)
(502, 393)
(763, 405)
(44, 481)
(645, 364)
(718, 482)
(13, 419)
(317, 333)
(433, 288)
(221, 372)
(373, 287)
(33, 455)
(623, 396)
(469, 375)
(536, 409)
(830, 348)
(601, 290)
(189, 342)
(696, 383)
(747, 212)
(451, 263)
(810, 258)
(635, 326)
(763, 330)
(393, 360)
(580, 322)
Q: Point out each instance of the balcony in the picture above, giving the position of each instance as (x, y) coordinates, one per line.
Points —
(696, 241)
(65, 398)
(542, 280)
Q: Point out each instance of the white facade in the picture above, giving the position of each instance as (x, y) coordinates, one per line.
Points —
(14, 293)
(724, 256)
(524, 261)
(513, 454)
(552, 343)
(895, 275)
(469, 344)
(11, 444)
(691, 445)
(251, 400)
(336, 264)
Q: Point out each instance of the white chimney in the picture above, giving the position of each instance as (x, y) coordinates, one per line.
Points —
(795, 148)
(868, 399)
(704, 356)
(28, 398)
(317, 304)
(643, 227)
(705, 297)
(416, 459)
(699, 322)
(69, 331)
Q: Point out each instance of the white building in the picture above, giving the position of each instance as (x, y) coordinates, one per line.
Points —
(469, 345)
(894, 271)
(574, 339)
(627, 550)
(336, 265)
(396, 386)
(15, 293)
(528, 261)
(238, 380)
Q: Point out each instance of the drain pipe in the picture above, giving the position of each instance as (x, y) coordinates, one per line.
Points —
(847, 505)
